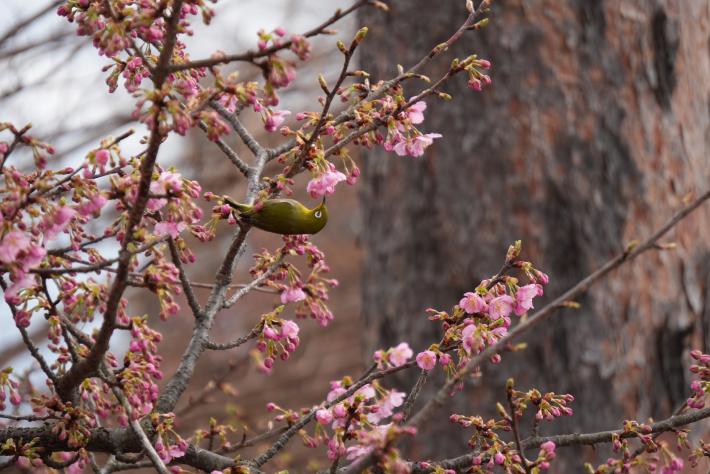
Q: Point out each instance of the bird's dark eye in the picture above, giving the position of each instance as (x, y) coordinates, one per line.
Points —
(318, 214)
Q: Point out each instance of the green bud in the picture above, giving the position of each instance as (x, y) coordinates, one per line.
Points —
(439, 48)
(631, 246)
(341, 47)
(514, 251)
(323, 83)
(380, 5)
(360, 35)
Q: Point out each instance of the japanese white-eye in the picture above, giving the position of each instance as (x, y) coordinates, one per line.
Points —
(282, 216)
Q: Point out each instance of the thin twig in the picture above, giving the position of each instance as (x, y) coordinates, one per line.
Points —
(253, 334)
(251, 56)
(184, 281)
(516, 432)
(253, 284)
(229, 152)
(245, 135)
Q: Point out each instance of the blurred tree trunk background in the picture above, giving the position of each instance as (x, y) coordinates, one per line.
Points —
(595, 128)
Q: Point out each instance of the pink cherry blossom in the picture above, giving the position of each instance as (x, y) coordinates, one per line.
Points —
(172, 229)
(524, 298)
(34, 255)
(501, 306)
(93, 206)
(324, 185)
(292, 294)
(473, 303)
(25, 280)
(400, 354)
(58, 221)
(12, 244)
(471, 340)
(168, 181)
(274, 119)
(415, 113)
(102, 157)
(426, 360)
(415, 147)
(289, 330)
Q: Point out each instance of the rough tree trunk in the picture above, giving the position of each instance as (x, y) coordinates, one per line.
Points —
(596, 127)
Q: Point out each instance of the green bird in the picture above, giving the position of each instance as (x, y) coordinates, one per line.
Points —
(282, 216)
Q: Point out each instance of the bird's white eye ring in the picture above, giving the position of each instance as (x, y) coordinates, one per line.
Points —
(318, 214)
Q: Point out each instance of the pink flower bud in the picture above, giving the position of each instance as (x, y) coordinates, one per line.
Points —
(15, 398)
(484, 64)
(269, 333)
(102, 156)
(324, 416)
(339, 411)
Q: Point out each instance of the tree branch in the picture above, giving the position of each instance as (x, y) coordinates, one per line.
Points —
(577, 439)
(251, 56)
(90, 364)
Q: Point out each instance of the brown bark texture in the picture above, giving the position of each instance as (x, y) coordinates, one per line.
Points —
(596, 127)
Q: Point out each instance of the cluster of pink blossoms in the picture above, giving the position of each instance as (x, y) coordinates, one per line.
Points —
(278, 338)
(402, 137)
(8, 389)
(394, 357)
(324, 184)
(492, 450)
(310, 293)
(700, 386)
(26, 232)
(368, 414)
(486, 319)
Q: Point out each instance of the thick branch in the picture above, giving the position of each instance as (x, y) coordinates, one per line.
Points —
(90, 364)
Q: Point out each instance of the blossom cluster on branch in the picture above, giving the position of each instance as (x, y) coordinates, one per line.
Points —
(56, 223)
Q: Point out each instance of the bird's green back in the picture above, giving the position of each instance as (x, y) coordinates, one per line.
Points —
(285, 216)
